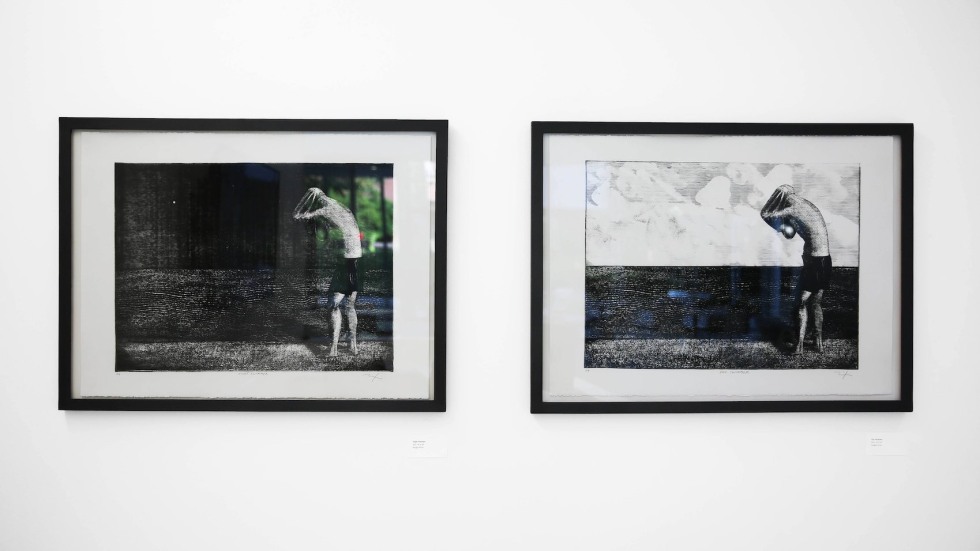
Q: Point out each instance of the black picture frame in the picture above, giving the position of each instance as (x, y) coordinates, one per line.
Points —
(541, 156)
(435, 214)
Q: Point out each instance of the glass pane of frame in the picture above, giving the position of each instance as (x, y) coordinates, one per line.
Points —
(253, 264)
(721, 267)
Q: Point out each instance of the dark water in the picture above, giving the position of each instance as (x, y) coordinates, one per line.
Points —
(242, 305)
(743, 303)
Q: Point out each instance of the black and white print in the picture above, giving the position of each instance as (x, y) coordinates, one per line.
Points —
(721, 265)
(252, 266)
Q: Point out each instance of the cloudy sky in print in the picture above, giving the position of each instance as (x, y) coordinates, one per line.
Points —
(707, 214)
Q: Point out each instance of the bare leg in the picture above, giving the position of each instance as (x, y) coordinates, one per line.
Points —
(352, 321)
(804, 300)
(335, 320)
(818, 320)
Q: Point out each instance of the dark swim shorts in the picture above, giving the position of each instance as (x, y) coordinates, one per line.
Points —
(346, 277)
(816, 273)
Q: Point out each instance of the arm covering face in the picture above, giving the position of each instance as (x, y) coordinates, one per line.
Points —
(777, 206)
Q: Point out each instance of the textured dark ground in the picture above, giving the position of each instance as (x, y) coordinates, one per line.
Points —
(310, 355)
(214, 319)
(711, 317)
(716, 354)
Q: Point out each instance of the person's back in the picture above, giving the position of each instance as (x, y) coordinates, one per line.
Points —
(785, 207)
(810, 225)
(316, 204)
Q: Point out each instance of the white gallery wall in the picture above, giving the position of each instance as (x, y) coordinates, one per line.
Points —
(510, 480)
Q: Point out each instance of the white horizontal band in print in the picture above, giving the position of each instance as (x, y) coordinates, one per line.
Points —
(707, 213)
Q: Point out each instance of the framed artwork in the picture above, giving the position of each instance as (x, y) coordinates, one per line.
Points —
(682, 267)
(252, 264)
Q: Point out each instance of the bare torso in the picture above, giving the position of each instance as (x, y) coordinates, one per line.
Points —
(809, 224)
(315, 204)
(793, 210)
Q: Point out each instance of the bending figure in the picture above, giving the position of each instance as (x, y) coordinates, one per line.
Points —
(316, 205)
(790, 214)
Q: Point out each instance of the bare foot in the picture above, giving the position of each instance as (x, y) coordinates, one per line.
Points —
(820, 345)
(333, 351)
(353, 348)
(798, 350)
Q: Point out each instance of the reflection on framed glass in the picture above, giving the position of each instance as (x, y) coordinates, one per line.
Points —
(680, 267)
(252, 264)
